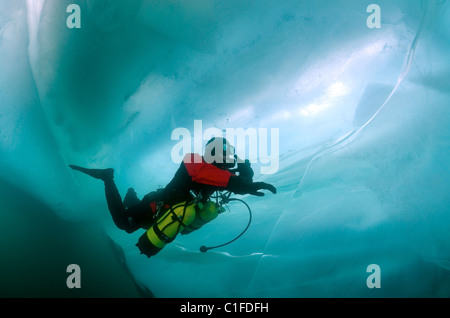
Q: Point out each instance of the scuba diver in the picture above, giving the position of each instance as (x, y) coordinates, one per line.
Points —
(184, 205)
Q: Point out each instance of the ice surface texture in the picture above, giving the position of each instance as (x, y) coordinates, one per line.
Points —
(362, 114)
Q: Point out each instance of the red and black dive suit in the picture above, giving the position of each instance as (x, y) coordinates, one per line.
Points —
(193, 176)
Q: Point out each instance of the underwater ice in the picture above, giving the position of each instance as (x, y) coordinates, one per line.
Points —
(363, 117)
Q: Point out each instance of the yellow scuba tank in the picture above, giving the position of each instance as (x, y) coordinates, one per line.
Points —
(204, 213)
(172, 222)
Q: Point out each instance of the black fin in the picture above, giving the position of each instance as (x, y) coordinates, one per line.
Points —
(102, 174)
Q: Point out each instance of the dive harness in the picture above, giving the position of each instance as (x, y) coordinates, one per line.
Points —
(222, 198)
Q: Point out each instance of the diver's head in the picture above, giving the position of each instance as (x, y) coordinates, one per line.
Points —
(220, 153)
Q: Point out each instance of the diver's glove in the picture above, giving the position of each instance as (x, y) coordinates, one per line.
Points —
(245, 170)
(240, 185)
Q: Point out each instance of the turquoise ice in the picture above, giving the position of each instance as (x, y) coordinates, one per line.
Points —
(364, 143)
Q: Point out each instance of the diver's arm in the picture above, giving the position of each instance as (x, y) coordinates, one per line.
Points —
(244, 169)
(240, 185)
(205, 173)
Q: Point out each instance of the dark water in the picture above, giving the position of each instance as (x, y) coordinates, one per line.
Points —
(38, 246)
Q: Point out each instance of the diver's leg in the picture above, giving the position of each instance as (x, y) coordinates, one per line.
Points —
(115, 205)
(113, 198)
(131, 198)
(122, 214)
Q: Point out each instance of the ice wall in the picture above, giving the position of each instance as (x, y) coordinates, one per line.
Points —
(361, 112)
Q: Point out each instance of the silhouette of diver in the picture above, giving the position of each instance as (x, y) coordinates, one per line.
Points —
(165, 212)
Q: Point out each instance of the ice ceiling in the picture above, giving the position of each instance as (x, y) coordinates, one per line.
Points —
(363, 124)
